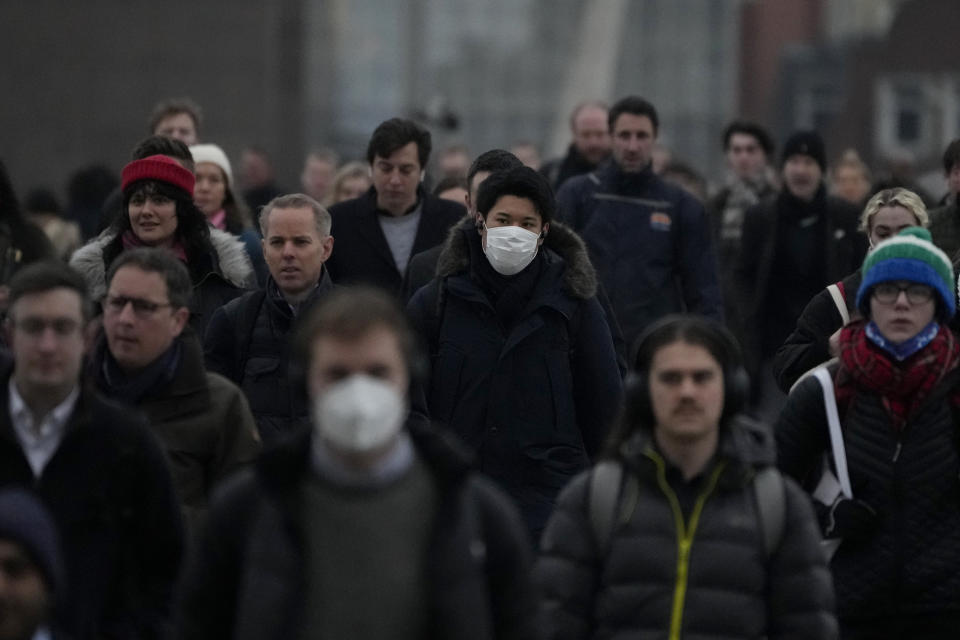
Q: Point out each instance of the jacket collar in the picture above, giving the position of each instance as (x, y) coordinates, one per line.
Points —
(324, 285)
(186, 393)
(284, 466)
(746, 445)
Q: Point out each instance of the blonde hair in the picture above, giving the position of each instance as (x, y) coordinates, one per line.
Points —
(851, 159)
(896, 197)
(347, 171)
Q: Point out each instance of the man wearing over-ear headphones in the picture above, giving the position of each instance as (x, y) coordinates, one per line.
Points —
(686, 529)
(368, 525)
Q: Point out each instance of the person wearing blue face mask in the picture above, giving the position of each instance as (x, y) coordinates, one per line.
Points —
(897, 393)
(523, 366)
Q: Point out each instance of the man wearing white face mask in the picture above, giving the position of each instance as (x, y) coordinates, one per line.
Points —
(360, 528)
(522, 363)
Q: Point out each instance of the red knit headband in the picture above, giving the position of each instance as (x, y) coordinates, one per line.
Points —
(159, 168)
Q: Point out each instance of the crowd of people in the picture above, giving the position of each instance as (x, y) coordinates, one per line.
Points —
(579, 400)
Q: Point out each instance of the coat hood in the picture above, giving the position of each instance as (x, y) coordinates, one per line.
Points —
(579, 276)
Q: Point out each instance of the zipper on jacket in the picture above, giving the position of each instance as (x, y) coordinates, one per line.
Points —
(685, 534)
(899, 535)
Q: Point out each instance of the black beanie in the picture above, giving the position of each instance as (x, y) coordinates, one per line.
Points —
(806, 143)
(25, 521)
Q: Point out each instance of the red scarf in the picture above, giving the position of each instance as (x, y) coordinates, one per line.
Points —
(902, 386)
(131, 241)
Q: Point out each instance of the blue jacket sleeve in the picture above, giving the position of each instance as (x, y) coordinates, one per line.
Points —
(698, 262)
(568, 202)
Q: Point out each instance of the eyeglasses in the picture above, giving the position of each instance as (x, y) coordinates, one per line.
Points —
(888, 292)
(114, 305)
(62, 327)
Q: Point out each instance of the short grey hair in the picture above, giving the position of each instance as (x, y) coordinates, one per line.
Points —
(297, 201)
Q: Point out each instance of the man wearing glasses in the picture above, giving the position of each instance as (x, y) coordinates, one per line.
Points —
(93, 464)
(150, 359)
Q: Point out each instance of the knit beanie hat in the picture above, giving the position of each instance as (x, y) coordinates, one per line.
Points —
(159, 168)
(805, 143)
(25, 521)
(214, 155)
(910, 256)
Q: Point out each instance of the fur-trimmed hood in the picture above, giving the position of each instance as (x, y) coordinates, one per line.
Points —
(232, 261)
(579, 276)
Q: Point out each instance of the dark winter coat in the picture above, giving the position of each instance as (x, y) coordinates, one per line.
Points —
(649, 241)
(362, 254)
(22, 243)
(423, 268)
(534, 402)
(766, 300)
(247, 581)
(112, 498)
(640, 585)
(945, 229)
(727, 244)
(226, 274)
(202, 420)
(808, 346)
(559, 170)
(248, 342)
(910, 563)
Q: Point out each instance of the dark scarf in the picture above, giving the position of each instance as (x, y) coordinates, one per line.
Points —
(131, 388)
(509, 295)
(902, 386)
(796, 209)
(631, 184)
(131, 241)
(574, 164)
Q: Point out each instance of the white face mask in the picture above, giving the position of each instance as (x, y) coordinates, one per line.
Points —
(359, 413)
(510, 249)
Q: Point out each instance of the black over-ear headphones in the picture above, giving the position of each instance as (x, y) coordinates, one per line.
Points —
(709, 334)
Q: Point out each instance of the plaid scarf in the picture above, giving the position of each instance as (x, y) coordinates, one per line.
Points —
(902, 386)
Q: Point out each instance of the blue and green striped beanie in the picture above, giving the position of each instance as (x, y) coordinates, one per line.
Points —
(909, 256)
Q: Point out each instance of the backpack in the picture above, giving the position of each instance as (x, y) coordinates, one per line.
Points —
(613, 498)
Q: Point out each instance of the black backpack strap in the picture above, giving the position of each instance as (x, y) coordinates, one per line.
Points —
(771, 498)
(243, 329)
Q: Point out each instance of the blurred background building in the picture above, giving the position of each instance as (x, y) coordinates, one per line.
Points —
(80, 78)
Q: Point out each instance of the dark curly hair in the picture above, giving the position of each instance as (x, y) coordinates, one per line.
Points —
(192, 231)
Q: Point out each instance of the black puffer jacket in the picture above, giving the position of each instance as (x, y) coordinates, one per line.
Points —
(247, 580)
(728, 588)
(809, 344)
(910, 564)
(248, 342)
